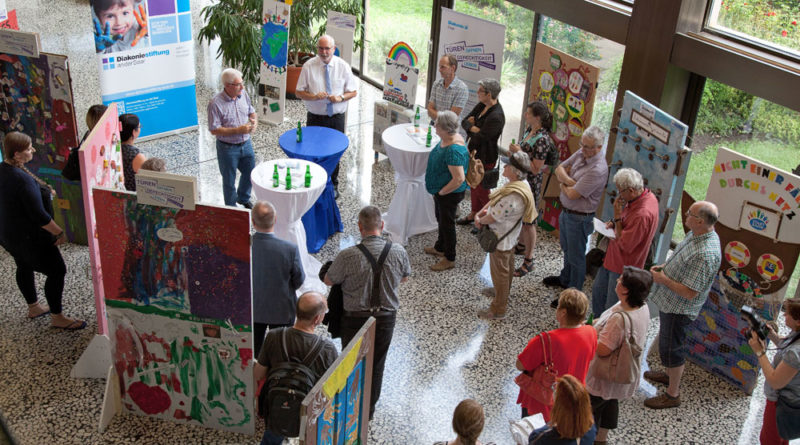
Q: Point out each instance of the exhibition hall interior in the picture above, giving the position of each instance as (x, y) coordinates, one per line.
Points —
(698, 97)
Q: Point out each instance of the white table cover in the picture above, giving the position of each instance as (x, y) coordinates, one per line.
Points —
(290, 206)
(411, 211)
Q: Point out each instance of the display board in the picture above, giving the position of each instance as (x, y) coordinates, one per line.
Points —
(178, 297)
(651, 142)
(388, 114)
(342, 28)
(146, 62)
(478, 46)
(36, 99)
(11, 21)
(401, 76)
(101, 165)
(568, 85)
(336, 410)
(759, 231)
(274, 53)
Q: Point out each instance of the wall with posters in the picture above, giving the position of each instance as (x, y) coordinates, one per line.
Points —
(478, 46)
(178, 297)
(651, 142)
(568, 85)
(36, 99)
(146, 64)
(274, 53)
(342, 28)
(759, 231)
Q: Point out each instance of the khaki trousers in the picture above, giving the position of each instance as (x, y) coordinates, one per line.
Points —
(501, 267)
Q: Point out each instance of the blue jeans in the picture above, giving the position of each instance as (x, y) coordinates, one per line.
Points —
(230, 158)
(574, 231)
(604, 293)
(672, 332)
(271, 438)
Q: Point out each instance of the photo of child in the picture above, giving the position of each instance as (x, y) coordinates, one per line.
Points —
(119, 25)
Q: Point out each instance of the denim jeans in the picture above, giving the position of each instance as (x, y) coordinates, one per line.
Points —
(232, 157)
(604, 293)
(574, 231)
(271, 438)
(672, 332)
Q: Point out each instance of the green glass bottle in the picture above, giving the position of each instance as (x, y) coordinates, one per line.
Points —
(416, 120)
(429, 138)
(299, 132)
(308, 176)
(288, 178)
(276, 179)
(513, 141)
(590, 321)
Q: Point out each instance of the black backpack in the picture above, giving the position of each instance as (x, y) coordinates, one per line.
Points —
(287, 385)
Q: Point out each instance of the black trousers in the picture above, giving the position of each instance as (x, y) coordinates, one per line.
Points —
(445, 208)
(259, 331)
(384, 329)
(47, 260)
(337, 123)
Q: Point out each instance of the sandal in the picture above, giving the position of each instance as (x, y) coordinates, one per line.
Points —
(525, 269)
(519, 249)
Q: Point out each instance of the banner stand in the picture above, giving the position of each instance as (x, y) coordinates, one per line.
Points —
(112, 402)
(94, 359)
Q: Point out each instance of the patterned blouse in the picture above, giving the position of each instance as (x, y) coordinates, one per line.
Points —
(536, 145)
(128, 153)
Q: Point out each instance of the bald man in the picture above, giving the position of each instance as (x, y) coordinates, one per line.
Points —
(300, 339)
(680, 288)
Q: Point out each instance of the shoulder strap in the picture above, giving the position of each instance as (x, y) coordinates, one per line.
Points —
(283, 345)
(314, 352)
(509, 230)
(548, 358)
(625, 315)
(377, 270)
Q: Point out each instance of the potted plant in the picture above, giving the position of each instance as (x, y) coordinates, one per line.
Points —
(237, 24)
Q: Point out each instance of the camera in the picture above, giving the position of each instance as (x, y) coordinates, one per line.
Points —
(757, 325)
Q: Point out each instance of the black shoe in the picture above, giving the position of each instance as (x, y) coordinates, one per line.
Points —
(464, 221)
(474, 230)
(554, 304)
(553, 281)
(247, 205)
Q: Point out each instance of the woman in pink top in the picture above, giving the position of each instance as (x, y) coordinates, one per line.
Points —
(571, 347)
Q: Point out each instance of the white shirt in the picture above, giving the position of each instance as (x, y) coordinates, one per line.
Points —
(506, 213)
(312, 80)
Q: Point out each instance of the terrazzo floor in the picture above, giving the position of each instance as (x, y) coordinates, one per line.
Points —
(441, 352)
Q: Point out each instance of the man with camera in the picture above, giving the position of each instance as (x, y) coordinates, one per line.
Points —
(680, 288)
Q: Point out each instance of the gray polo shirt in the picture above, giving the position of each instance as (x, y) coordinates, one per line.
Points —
(353, 271)
(227, 112)
(590, 175)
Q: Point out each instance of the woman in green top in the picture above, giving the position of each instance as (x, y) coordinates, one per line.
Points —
(445, 180)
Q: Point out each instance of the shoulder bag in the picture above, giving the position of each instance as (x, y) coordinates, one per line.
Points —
(541, 383)
(623, 364)
(488, 239)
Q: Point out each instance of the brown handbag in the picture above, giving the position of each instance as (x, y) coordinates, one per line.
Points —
(475, 171)
(542, 382)
(623, 364)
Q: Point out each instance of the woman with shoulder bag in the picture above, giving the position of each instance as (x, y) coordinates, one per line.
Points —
(504, 214)
(568, 349)
(781, 378)
(484, 126)
(627, 320)
(571, 423)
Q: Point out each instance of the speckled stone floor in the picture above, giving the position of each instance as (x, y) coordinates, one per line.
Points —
(441, 352)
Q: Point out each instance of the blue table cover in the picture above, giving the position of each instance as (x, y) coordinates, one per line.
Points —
(323, 146)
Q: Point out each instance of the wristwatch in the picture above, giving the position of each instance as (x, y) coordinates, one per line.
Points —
(760, 354)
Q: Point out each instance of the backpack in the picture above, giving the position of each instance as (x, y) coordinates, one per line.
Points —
(287, 385)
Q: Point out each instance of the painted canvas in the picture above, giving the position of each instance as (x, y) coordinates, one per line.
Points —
(651, 142)
(336, 410)
(568, 85)
(101, 165)
(36, 99)
(177, 286)
(274, 56)
(759, 231)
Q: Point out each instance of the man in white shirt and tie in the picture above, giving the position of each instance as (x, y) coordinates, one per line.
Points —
(326, 83)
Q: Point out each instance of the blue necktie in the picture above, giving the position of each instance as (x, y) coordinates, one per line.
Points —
(328, 88)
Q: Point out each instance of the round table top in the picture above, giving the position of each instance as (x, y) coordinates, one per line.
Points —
(317, 142)
(401, 137)
(261, 176)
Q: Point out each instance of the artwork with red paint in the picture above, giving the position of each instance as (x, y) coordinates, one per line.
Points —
(177, 292)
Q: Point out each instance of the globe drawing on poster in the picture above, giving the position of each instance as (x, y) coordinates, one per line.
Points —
(274, 53)
(275, 35)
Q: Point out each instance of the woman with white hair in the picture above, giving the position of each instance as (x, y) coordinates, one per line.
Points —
(507, 208)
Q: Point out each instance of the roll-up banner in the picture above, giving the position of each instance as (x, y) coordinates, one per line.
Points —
(478, 47)
(274, 53)
(145, 54)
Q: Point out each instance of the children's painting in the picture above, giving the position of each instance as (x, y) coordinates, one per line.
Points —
(274, 54)
(336, 410)
(568, 86)
(651, 142)
(759, 231)
(177, 287)
(36, 99)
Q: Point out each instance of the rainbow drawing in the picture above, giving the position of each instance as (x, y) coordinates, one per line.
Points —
(402, 49)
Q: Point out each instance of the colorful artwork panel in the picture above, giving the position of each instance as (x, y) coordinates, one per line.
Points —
(36, 99)
(400, 83)
(274, 56)
(651, 142)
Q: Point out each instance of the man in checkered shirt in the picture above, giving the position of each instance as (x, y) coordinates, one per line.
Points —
(680, 288)
(448, 92)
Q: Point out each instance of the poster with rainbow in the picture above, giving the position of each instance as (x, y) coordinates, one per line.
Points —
(402, 75)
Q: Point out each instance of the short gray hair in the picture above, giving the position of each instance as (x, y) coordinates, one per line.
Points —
(628, 178)
(154, 164)
(520, 158)
(229, 74)
(491, 86)
(328, 36)
(708, 212)
(263, 215)
(447, 121)
(596, 134)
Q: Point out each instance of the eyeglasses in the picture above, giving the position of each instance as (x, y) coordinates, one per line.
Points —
(588, 147)
(325, 48)
(690, 214)
(236, 84)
